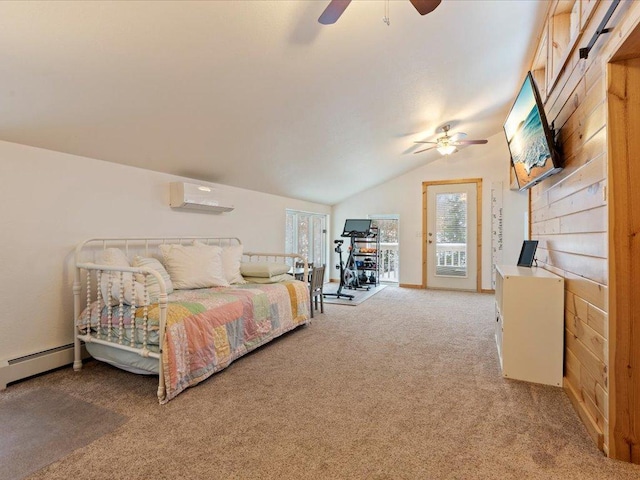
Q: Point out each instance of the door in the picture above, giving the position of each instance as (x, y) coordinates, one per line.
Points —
(452, 227)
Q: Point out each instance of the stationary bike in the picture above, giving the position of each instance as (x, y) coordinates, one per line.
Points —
(345, 274)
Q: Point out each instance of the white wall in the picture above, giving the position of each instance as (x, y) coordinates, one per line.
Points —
(403, 196)
(52, 201)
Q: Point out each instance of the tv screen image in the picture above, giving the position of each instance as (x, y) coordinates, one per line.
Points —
(529, 138)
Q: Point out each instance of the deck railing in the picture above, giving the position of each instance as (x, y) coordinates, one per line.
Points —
(451, 259)
(389, 262)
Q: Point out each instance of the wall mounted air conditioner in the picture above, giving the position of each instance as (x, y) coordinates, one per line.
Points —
(196, 197)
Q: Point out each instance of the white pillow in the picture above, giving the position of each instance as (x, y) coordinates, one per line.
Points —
(275, 279)
(197, 266)
(231, 256)
(263, 269)
(152, 283)
(114, 257)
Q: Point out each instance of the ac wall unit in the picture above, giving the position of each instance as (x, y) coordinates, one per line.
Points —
(196, 197)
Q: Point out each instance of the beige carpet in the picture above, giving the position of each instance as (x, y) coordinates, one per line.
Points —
(406, 386)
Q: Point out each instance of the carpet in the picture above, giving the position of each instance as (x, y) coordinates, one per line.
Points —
(405, 387)
(359, 296)
(42, 426)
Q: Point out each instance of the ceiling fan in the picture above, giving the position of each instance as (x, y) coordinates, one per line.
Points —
(447, 145)
(337, 7)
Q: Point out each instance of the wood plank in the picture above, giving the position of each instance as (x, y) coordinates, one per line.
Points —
(594, 220)
(587, 336)
(576, 305)
(585, 199)
(592, 172)
(572, 362)
(548, 227)
(592, 268)
(592, 427)
(587, 359)
(573, 141)
(624, 226)
(594, 293)
(597, 319)
(570, 107)
(593, 410)
(591, 244)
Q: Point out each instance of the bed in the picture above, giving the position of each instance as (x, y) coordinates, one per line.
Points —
(181, 308)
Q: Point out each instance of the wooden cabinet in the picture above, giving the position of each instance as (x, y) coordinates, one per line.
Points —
(530, 324)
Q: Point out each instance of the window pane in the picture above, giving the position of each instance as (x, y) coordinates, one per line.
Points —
(303, 235)
(451, 234)
(318, 240)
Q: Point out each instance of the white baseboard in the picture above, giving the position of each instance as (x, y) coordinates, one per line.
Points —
(27, 366)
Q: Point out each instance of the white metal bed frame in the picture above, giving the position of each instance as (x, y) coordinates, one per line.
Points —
(146, 246)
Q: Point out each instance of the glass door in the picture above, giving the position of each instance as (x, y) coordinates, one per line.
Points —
(451, 240)
(306, 235)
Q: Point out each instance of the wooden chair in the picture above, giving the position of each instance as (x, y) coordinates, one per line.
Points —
(300, 265)
(315, 288)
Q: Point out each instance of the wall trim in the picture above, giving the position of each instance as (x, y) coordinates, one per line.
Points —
(34, 364)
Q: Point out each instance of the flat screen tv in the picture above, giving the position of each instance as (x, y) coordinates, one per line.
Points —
(527, 253)
(531, 143)
(356, 227)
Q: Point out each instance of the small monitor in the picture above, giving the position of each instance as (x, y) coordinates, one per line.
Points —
(356, 227)
(527, 253)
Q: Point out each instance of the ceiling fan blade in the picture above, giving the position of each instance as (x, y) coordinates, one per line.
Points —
(425, 6)
(435, 143)
(425, 149)
(471, 142)
(333, 11)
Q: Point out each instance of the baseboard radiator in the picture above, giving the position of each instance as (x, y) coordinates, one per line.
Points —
(30, 365)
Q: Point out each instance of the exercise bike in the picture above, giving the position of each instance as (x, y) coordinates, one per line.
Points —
(345, 274)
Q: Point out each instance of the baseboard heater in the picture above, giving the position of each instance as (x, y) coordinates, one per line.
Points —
(29, 365)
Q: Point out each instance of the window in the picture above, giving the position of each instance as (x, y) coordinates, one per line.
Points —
(306, 234)
(388, 230)
(451, 234)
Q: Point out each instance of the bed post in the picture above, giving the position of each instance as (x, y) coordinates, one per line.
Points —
(162, 305)
(77, 350)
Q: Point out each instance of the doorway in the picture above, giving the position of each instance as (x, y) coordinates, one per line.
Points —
(452, 226)
(306, 234)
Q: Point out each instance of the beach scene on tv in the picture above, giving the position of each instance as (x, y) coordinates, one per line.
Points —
(525, 135)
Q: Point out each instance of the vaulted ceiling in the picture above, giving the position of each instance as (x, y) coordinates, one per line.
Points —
(258, 94)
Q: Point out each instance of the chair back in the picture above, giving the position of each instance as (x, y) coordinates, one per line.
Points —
(317, 279)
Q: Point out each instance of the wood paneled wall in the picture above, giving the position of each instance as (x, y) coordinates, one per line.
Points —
(569, 212)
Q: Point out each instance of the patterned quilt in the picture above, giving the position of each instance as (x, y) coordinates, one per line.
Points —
(209, 328)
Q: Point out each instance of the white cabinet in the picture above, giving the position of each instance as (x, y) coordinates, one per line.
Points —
(530, 324)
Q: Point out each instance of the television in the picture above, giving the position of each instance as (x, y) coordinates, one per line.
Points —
(527, 253)
(530, 139)
(356, 227)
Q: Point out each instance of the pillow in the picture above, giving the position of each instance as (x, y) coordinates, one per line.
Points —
(231, 256)
(275, 279)
(114, 257)
(263, 269)
(197, 266)
(152, 283)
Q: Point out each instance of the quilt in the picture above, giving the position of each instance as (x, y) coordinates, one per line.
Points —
(207, 328)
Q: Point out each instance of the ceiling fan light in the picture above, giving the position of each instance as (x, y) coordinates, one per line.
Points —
(446, 149)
